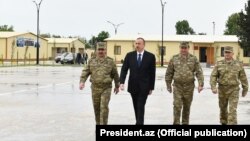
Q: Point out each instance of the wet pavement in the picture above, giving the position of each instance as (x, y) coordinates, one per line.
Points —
(44, 104)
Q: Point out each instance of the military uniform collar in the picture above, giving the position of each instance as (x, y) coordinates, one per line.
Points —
(230, 62)
(101, 58)
(188, 55)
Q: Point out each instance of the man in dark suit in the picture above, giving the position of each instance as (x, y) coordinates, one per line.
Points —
(141, 65)
(80, 57)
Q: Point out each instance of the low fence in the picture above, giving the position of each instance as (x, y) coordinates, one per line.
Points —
(26, 61)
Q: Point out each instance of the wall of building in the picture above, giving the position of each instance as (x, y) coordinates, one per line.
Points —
(30, 50)
(2, 48)
(126, 46)
(172, 48)
(237, 51)
(53, 47)
(78, 45)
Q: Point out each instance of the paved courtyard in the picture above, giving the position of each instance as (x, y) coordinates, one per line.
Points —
(44, 104)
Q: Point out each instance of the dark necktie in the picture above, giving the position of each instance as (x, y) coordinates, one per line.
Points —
(139, 60)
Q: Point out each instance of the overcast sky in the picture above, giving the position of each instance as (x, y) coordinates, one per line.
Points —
(89, 17)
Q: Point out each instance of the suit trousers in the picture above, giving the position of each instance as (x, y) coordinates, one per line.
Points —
(139, 101)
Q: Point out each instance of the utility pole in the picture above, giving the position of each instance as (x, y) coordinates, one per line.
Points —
(115, 26)
(37, 32)
(162, 32)
(213, 28)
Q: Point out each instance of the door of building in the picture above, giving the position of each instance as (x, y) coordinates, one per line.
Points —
(203, 55)
(210, 55)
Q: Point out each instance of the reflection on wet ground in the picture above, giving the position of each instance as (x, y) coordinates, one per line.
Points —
(45, 104)
(244, 102)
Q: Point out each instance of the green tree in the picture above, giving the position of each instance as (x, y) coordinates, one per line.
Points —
(56, 36)
(244, 30)
(45, 35)
(6, 28)
(87, 45)
(48, 35)
(202, 33)
(84, 40)
(102, 36)
(92, 42)
(232, 26)
(182, 27)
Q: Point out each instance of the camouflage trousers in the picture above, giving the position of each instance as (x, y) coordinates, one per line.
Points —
(228, 102)
(100, 98)
(183, 96)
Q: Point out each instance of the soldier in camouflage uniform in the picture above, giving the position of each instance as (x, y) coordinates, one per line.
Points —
(183, 68)
(227, 73)
(102, 70)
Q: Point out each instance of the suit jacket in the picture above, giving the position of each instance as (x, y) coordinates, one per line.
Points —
(79, 58)
(141, 78)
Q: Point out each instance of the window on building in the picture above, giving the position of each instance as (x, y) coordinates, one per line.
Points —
(29, 43)
(61, 50)
(117, 50)
(164, 50)
(246, 53)
(222, 51)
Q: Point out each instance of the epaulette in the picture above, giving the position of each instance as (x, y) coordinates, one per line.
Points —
(240, 63)
(175, 56)
(91, 59)
(191, 55)
(220, 62)
(110, 58)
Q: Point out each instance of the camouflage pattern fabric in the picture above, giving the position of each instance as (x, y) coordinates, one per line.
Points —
(228, 97)
(228, 75)
(102, 72)
(183, 70)
(100, 98)
(183, 96)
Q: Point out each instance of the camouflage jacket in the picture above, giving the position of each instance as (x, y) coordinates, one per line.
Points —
(183, 70)
(102, 71)
(229, 74)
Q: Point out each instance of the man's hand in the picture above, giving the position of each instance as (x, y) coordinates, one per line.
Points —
(116, 90)
(169, 88)
(214, 91)
(244, 93)
(81, 85)
(122, 87)
(200, 88)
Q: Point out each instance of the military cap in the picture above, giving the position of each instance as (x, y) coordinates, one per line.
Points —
(101, 47)
(228, 49)
(184, 44)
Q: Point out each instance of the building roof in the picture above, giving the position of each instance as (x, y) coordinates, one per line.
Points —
(177, 38)
(7, 34)
(11, 34)
(61, 40)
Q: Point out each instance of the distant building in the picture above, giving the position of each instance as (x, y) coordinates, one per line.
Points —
(57, 46)
(17, 45)
(207, 48)
(20, 44)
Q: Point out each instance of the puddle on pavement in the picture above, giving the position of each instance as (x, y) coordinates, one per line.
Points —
(244, 102)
